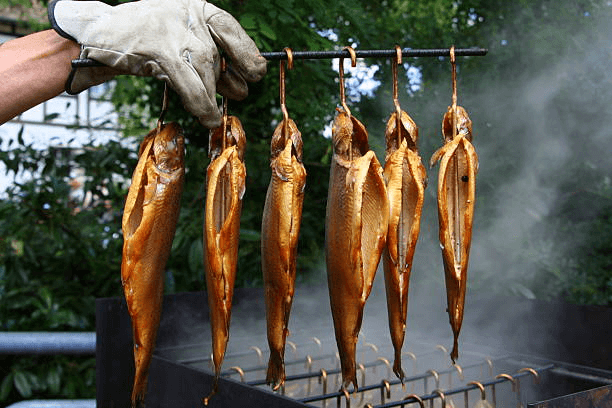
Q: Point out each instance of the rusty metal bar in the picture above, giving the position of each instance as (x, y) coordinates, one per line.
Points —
(391, 53)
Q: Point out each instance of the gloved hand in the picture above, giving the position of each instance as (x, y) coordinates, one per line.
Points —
(172, 40)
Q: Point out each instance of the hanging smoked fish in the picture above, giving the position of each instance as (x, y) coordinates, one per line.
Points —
(406, 180)
(355, 230)
(225, 186)
(149, 223)
(456, 197)
(280, 228)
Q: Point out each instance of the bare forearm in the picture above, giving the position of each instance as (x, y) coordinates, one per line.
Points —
(33, 69)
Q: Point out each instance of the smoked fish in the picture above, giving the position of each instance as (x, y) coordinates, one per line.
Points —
(355, 233)
(149, 223)
(225, 178)
(406, 180)
(456, 198)
(280, 228)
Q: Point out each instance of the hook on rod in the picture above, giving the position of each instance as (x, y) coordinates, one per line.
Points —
(398, 109)
(536, 376)
(282, 82)
(453, 61)
(164, 109)
(351, 52)
(413, 397)
(483, 395)
(509, 378)
(441, 395)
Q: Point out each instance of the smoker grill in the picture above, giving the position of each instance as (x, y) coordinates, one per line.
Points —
(503, 345)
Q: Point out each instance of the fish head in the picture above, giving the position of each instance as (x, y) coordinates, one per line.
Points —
(287, 131)
(464, 124)
(169, 147)
(408, 131)
(349, 133)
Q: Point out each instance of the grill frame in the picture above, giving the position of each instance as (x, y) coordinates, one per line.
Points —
(177, 384)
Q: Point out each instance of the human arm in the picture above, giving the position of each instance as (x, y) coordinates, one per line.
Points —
(33, 69)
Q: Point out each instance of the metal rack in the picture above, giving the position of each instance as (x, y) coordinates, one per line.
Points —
(380, 53)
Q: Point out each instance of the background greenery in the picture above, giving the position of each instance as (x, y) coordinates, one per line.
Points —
(539, 101)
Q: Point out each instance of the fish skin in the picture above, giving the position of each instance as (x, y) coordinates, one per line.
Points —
(149, 223)
(355, 233)
(406, 181)
(225, 178)
(279, 238)
(456, 153)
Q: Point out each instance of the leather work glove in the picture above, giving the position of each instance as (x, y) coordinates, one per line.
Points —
(172, 40)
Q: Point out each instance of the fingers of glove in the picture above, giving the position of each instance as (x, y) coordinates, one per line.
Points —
(232, 85)
(229, 35)
(197, 93)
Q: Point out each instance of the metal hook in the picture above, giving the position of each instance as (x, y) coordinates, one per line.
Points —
(308, 366)
(384, 386)
(442, 348)
(459, 372)
(346, 396)
(341, 72)
(441, 395)
(435, 374)
(490, 363)
(362, 368)
(239, 371)
(317, 341)
(536, 376)
(387, 363)
(509, 378)
(259, 353)
(483, 395)
(398, 110)
(282, 87)
(453, 61)
(415, 397)
(323, 379)
(164, 109)
(293, 346)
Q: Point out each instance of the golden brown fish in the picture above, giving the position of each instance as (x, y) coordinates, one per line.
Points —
(355, 233)
(406, 181)
(225, 178)
(456, 197)
(149, 222)
(280, 228)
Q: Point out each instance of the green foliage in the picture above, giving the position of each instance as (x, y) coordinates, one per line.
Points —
(60, 249)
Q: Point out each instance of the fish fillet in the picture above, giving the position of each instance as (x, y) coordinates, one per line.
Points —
(355, 233)
(149, 223)
(406, 180)
(225, 178)
(279, 238)
(456, 198)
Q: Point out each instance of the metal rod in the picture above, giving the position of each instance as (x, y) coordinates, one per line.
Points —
(391, 53)
(47, 343)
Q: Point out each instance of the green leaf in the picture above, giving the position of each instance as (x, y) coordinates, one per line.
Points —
(22, 384)
(6, 387)
(54, 380)
(248, 21)
(51, 116)
(267, 31)
(196, 254)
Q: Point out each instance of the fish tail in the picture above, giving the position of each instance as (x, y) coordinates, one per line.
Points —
(138, 397)
(214, 390)
(276, 371)
(455, 352)
(397, 365)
